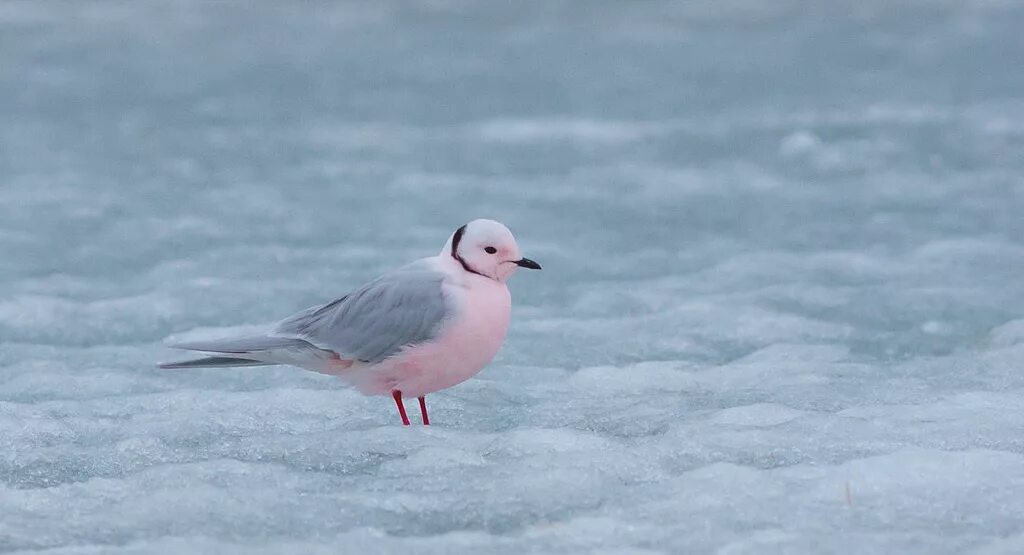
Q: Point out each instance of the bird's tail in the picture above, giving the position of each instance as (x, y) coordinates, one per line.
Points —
(260, 350)
(214, 362)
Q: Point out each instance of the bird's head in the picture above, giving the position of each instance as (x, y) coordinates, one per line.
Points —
(487, 248)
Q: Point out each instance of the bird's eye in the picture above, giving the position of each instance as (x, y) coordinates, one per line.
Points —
(491, 250)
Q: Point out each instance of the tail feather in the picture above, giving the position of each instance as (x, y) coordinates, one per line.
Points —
(214, 362)
(242, 345)
(258, 351)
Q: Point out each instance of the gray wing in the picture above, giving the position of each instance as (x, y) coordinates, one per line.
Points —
(400, 308)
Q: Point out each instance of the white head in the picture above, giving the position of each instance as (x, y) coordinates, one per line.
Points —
(487, 248)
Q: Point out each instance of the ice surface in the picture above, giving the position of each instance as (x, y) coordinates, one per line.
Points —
(782, 305)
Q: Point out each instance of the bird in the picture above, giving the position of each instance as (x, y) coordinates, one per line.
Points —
(413, 331)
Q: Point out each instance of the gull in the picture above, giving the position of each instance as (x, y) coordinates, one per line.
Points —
(421, 328)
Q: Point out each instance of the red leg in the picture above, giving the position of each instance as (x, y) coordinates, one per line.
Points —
(423, 411)
(401, 407)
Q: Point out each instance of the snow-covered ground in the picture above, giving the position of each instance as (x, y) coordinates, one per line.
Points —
(782, 305)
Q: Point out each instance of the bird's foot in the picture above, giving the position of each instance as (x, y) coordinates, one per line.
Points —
(423, 411)
(397, 395)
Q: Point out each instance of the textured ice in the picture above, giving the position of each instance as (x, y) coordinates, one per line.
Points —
(781, 311)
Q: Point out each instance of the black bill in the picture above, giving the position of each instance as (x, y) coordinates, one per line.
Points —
(527, 263)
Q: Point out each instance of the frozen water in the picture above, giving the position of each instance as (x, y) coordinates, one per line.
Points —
(781, 311)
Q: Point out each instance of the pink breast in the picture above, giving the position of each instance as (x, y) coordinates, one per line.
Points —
(466, 345)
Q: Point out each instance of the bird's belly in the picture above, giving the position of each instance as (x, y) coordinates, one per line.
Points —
(466, 344)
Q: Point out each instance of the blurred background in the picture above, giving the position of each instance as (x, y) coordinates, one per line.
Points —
(781, 306)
